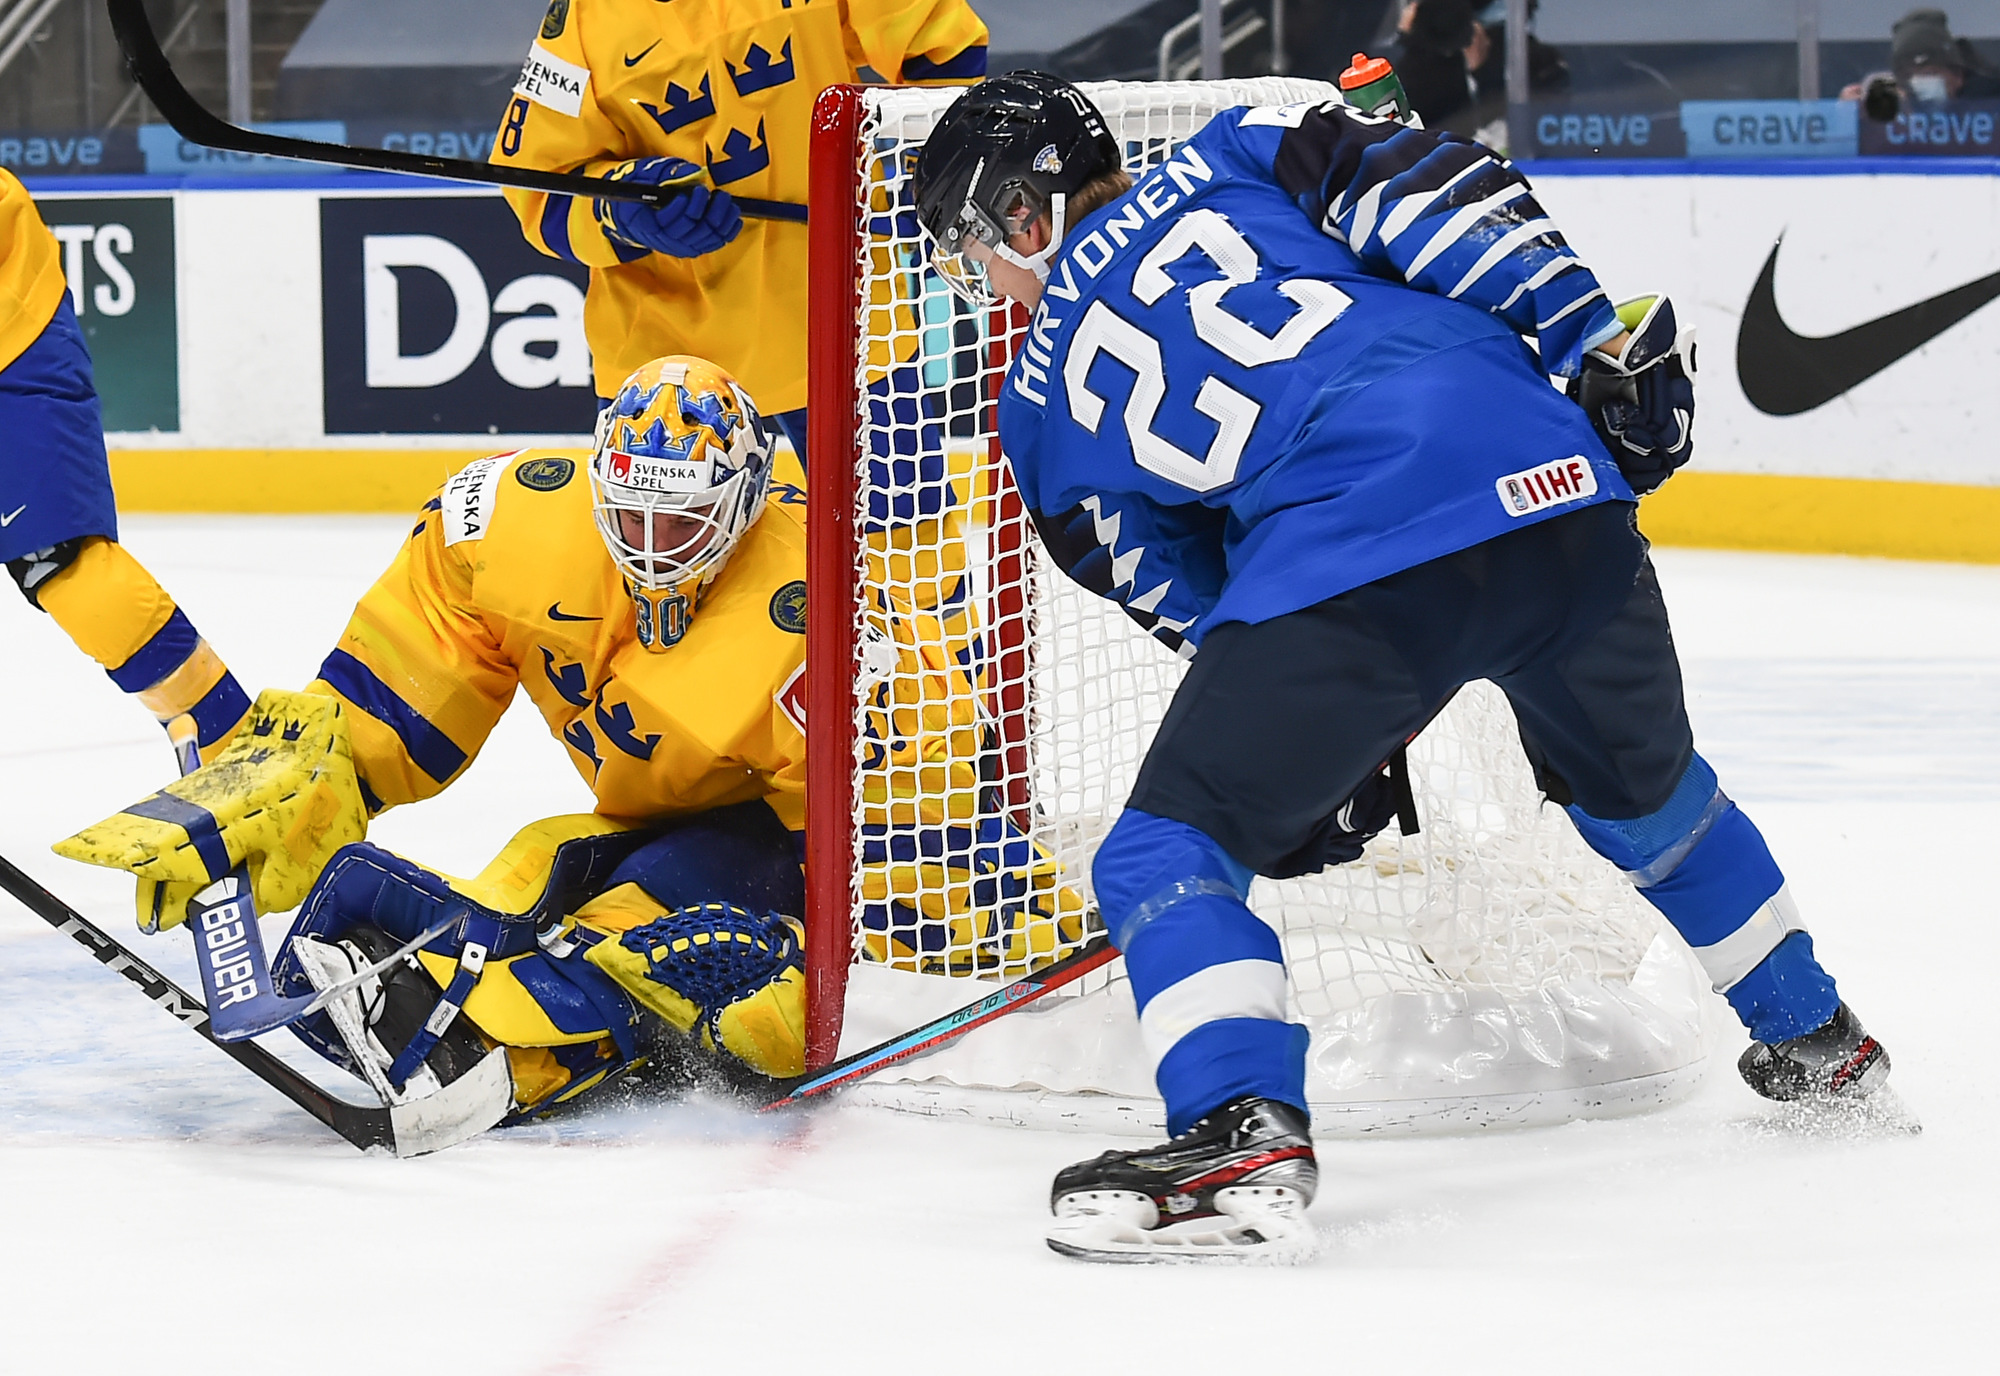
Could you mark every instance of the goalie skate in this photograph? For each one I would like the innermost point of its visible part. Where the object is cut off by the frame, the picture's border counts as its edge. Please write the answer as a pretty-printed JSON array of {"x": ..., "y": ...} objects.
[
  {"x": 1234, "y": 1187},
  {"x": 460, "y": 1090}
]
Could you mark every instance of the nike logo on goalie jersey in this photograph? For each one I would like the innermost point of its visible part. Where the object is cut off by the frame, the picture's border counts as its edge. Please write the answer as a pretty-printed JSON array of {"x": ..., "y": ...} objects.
[
  {"x": 556, "y": 613},
  {"x": 1784, "y": 373},
  {"x": 8, "y": 519}
]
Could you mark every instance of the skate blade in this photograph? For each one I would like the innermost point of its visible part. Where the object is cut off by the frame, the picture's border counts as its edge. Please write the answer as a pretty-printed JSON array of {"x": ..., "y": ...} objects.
[{"x": 1256, "y": 1225}]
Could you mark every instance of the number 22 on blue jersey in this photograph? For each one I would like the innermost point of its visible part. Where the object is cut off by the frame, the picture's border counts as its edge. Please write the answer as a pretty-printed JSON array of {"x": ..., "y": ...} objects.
[{"x": 1103, "y": 330}]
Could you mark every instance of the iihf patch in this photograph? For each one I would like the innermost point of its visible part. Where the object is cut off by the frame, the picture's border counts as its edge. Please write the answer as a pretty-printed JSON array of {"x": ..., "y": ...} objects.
[
  {"x": 788, "y": 607},
  {"x": 1048, "y": 160},
  {"x": 545, "y": 475},
  {"x": 1547, "y": 485}
]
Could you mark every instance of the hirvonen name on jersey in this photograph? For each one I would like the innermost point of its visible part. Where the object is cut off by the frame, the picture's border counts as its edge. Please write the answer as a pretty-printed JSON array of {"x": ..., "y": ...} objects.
[
  {"x": 1546, "y": 485},
  {"x": 549, "y": 81}
]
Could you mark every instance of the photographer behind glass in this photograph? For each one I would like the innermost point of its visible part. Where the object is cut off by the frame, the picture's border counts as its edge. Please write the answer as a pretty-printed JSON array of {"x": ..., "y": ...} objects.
[{"x": 1928, "y": 66}]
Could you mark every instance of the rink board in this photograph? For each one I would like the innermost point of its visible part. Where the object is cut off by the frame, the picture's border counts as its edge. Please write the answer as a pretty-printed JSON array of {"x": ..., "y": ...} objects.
[{"x": 305, "y": 383}]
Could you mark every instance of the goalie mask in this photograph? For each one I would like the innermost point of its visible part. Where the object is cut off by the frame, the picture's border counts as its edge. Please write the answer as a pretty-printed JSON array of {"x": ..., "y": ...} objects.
[
  {"x": 1006, "y": 151},
  {"x": 680, "y": 469}
]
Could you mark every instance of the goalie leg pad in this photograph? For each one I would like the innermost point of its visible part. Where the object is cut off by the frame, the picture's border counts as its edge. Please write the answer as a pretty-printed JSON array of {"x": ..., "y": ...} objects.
[
  {"x": 1207, "y": 974},
  {"x": 522, "y": 997},
  {"x": 1706, "y": 867}
]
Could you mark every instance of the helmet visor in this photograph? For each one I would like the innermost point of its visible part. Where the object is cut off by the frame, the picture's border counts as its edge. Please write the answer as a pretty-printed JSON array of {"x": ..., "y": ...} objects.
[{"x": 972, "y": 239}]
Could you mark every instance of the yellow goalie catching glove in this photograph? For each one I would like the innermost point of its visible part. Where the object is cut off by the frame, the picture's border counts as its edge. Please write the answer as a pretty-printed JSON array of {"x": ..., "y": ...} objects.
[
  {"x": 730, "y": 979},
  {"x": 283, "y": 796}
]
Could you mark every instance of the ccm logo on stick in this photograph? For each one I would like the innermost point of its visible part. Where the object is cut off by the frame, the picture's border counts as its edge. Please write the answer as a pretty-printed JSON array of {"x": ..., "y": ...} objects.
[
  {"x": 1550, "y": 484},
  {"x": 225, "y": 945}
]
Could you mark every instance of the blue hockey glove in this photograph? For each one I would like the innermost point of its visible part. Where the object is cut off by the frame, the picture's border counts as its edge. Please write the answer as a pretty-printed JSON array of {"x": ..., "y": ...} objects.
[
  {"x": 1641, "y": 399},
  {"x": 699, "y": 220}
]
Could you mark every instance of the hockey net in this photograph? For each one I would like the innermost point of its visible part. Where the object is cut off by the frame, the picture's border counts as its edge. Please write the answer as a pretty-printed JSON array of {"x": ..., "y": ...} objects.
[{"x": 977, "y": 721}]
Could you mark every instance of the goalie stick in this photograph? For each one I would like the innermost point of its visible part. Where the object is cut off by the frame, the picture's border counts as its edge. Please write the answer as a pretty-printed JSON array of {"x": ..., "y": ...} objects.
[
  {"x": 149, "y": 67},
  {"x": 408, "y": 1130}
]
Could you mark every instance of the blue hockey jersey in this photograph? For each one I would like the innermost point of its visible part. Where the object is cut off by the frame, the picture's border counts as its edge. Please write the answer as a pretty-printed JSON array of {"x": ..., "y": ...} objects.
[{"x": 1290, "y": 361}]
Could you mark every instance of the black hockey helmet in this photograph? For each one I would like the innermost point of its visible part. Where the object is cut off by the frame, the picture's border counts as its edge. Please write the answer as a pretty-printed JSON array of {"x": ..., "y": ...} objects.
[{"x": 1007, "y": 150}]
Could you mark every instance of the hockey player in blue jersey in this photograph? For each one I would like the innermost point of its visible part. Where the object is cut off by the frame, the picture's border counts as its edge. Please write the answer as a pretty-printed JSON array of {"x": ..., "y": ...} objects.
[{"x": 1276, "y": 400}]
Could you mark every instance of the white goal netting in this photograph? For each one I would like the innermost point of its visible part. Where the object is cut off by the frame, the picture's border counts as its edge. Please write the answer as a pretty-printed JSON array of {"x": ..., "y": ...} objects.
[{"x": 1488, "y": 969}]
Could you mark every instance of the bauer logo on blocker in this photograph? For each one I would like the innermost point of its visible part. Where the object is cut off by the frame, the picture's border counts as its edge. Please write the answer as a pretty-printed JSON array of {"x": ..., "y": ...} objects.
[{"x": 1547, "y": 485}]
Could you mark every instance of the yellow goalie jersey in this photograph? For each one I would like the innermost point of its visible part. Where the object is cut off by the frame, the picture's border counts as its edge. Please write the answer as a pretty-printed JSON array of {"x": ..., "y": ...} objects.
[
  {"x": 505, "y": 581},
  {"x": 31, "y": 278},
  {"x": 728, "y": 85}
]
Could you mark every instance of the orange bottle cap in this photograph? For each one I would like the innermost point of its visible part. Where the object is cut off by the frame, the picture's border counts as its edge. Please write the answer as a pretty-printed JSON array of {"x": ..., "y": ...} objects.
[{"x": 1364, "y": 70}]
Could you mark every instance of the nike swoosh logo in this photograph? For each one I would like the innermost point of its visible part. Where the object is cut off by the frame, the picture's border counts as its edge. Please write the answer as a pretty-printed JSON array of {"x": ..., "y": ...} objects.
[
  {"x": 1785, "y": 373},
  {"x": 635, "y": 61},
  {"x": 8, "y": 519},
  {"x": 556, "y": 613}
]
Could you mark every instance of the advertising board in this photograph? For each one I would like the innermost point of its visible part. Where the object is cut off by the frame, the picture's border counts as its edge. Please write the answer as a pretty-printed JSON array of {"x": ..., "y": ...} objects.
[
  {"x": 438, "y": 318},
  {"x": 118, "y": 257}
]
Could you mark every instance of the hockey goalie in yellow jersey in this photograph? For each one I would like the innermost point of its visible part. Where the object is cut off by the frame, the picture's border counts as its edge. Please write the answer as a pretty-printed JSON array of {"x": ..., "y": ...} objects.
[{"x": 652, "y": 607}]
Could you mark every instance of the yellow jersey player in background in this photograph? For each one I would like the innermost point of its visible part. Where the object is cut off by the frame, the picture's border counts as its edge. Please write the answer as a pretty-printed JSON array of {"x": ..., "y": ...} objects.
[
  {"x": 652, "y": 608},
  {"x": 58, "y": 523},
  {"x": 717, "y": 96}
]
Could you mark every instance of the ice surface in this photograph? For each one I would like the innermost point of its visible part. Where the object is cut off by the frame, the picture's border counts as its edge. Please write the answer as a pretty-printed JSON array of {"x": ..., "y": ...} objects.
[{"x": 161, "y": 1211}]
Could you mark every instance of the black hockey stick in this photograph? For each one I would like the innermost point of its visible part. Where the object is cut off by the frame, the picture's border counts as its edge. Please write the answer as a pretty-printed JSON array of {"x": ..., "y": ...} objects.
[
  {"x": 148, "y": 64},
  {"x": 363, "y": 1126},
  {"x": 934, "y": 1034}
]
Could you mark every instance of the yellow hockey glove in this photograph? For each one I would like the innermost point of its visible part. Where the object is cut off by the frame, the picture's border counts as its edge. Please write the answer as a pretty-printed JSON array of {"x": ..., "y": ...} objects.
[
  {"x": 713, "y": 971},
  {"x": 283, "y": 797}
]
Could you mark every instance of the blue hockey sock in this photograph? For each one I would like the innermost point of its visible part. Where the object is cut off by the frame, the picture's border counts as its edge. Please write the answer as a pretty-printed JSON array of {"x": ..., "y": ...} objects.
[
  {"x": 1207, "y": 975},
  {"x": 1231, "y": 1059},
  {"x": 1787, "y": 995},
  {"x": 1705, "y": 866}
]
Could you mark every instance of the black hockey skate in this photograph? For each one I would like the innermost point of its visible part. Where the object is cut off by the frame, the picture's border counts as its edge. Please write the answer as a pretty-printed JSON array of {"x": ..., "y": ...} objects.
[
  {"x": 1839, "y": 1061},
  {"x": 1234, "y": 1187}
]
